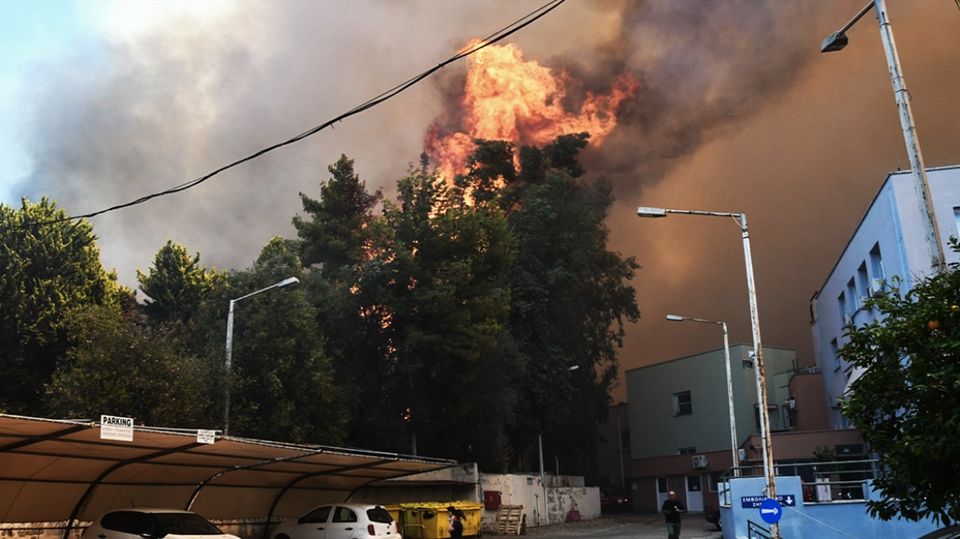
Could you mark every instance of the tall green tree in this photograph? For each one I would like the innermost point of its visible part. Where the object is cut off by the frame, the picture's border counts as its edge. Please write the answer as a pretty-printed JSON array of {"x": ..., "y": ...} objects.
[
  {"x": 335, "y": 233},
  {"x": 438, "y": 283},
  {"x": 176, "y": 285},
  {"x": 907, "y": 403},
  {"x": 118, "y": 364},
  {"x": 282, "y": 384},
  {"x": 47, "y": 266},
  {"x": 570, "y": 297}
]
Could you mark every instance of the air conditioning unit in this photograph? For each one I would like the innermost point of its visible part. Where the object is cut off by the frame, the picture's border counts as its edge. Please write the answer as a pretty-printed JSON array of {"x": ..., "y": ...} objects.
[
  {"x": 876, "y": 287},
  {"x": 700, "y": 462}
]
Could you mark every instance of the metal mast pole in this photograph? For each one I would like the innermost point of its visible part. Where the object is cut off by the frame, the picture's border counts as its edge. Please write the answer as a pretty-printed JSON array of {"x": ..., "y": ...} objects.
[
  {"x": 734, "y": 454},
  {"x": 922, "y": 186},
  {"x": 760, "y": 371},
  {"x": 227, "y": 364}
]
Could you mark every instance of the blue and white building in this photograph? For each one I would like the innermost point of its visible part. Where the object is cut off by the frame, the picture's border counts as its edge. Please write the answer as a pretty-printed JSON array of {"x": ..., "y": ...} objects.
[{"x": 888, "y": 244}]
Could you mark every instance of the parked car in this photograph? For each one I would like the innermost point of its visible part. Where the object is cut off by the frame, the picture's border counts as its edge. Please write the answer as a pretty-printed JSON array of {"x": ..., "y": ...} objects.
[
  {"x": 951, "y": 532},
  {"x": 340, "y": 521},
  {"x": 713, "y": 517},
  {"x": 611, "y": 502},
  {"x": 137, "y": 523}
]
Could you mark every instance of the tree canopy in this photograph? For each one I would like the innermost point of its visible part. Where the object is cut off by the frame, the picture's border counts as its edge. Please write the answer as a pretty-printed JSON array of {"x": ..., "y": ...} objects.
[
  {"x": 282, "y": 382},
  {"x": 175, "y": 285},
  {"x": 47, "y": 266},
  {"x": 449, "y": 319},
  {"x": 907, "y": 403},
  {"x": 120, "y": 365},
  {"x": 570, "y": 300}
]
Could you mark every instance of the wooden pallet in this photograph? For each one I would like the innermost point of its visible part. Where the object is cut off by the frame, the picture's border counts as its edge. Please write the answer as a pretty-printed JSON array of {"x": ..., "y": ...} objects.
[{"x": 509, "y": 520}]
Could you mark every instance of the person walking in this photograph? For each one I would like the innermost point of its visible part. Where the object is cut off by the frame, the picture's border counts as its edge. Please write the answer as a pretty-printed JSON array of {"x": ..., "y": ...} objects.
[
  {"x": 671, "y": 509},
  {"x": 456, "y": 522}
]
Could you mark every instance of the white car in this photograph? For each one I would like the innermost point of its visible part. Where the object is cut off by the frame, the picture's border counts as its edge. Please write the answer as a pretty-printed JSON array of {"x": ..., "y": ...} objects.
[
  {"x": 340, "y": 521},
  {"x": 137, "y": 523}
]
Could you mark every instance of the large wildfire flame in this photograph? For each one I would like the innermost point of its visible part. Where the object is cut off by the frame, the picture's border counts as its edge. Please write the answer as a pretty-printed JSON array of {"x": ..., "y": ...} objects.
[{"x": 508, "y": 98}]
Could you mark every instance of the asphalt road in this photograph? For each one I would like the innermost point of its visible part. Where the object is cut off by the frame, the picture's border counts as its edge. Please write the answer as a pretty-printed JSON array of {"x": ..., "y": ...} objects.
[{"x": 627, "y": 527}]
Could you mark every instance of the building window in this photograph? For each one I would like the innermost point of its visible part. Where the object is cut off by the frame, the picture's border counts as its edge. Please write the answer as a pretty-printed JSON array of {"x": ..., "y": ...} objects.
[
  {"x": 686, "y": 450},
  {"x": 714, "y": 479},
  {"x": 863, "y": 281},
  {"x": 853, "y": 298},
  {"x": 835, "y": 350},
  {"x": 956, "y": 216},
  {"x": 682, "y": 404},
  {"x": 662, "y": 485},
  {"x": 842, "y": 305},
  {"x": 876, "y": 262}
]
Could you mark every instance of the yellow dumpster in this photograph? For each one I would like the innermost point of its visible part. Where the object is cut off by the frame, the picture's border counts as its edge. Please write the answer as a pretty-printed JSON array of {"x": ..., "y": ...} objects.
[
  {"x": 431, "y": 520},
  {"x": 396, "y": 512},
  {"x": 472, "y": 511}
]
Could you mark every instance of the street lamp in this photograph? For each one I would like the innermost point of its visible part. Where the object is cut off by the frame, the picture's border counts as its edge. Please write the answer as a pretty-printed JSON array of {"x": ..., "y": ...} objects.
[
  {"x": 734, "y": 454},
  {"x": 837, "y": 41},
  {"x": 767, "y": 445},
  {"x": 229, "y": 348}
]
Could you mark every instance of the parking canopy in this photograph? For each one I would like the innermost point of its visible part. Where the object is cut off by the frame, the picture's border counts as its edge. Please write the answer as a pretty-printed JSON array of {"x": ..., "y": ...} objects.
[{"x": 55, "y": 470}]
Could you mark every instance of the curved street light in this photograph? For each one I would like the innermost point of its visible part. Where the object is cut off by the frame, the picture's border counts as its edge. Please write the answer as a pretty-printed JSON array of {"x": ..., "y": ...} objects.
[
  {"x": 229, "y": 347},
  {"x": 734, "y": 455},
  {"x": 836, "y": 42},
  {"x": 760, "y": 373}
]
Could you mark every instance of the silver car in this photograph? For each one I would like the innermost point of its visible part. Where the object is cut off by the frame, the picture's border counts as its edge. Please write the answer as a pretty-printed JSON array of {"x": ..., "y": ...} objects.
[{"x": 340, "y": 521}]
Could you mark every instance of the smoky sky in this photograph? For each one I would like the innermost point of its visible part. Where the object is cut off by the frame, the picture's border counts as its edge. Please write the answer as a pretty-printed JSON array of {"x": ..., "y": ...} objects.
[{"x": 737, "y": 110}]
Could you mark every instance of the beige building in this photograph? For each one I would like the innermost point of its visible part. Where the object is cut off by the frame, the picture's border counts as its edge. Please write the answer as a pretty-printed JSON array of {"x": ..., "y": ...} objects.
[{"x": 678, "y": 422}]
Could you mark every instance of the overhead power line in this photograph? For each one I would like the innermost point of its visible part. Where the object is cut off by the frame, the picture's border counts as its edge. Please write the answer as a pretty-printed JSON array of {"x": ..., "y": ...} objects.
[{"x": 499, "y": 35}]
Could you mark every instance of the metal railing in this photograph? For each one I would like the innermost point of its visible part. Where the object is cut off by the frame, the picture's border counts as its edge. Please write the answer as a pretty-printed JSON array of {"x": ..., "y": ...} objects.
[
  {"x": 822, "y": 482},
  {"x": 756, "y": 531}
]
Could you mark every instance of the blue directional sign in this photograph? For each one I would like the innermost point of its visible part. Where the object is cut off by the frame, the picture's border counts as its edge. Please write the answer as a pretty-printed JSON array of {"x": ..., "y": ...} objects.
[
  {"x": 770, "y": 511},
  {"x": 753, "y": 502}
]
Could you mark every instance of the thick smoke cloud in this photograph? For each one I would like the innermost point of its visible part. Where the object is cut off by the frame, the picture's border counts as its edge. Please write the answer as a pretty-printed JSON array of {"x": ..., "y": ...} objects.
[{"x": 737, "y": 111}]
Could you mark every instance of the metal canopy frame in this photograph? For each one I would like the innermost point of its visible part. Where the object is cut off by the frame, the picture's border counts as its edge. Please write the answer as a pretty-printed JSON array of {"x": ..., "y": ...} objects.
[{"x": 44, "y": 460}]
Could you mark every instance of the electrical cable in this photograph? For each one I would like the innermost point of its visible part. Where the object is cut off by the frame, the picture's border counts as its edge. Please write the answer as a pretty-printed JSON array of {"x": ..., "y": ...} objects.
[{"x": 495, "y": 37}]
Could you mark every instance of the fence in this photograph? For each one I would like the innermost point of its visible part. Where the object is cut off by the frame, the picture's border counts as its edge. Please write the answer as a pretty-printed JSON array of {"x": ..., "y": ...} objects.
[{"x": 822, "y": 482}]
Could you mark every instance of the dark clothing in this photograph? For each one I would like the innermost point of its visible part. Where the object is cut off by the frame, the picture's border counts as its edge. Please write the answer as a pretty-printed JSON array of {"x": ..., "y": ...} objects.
[
  {"x": 456, "y": 529},
  {"x": 671, "y": 510}
]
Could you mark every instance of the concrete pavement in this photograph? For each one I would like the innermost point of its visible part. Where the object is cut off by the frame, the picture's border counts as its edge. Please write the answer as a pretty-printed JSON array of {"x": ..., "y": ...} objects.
[{"x": 627, "y": 526}]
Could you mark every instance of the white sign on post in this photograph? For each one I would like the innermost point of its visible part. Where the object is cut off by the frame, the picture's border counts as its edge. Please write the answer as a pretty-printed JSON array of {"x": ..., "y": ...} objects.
[
  {"x": 116, "y": 428},
  {"x": 206, "y": 436}
]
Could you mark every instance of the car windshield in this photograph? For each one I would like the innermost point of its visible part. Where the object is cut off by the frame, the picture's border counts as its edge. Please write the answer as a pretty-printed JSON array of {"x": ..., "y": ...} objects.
[
  {"x": 379, "y": 514},
  {"x": 182, "y": 524}
]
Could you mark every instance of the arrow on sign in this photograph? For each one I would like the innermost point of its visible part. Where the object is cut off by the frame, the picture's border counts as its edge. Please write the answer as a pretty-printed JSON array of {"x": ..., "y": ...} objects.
[{"x": 770, "y": 511}]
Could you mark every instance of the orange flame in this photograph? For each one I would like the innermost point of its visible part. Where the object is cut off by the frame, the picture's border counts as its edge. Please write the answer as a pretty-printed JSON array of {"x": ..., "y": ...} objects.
[{"x": 508, "y": 98}]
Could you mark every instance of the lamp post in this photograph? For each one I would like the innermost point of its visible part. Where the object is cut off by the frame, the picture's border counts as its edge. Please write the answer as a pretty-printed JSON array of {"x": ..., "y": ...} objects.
[
  {"x": 229, "y": 347},
  {"x": 734, "y": 455},
  {"x": 837, "y": 41},
  {"x": 767, "y": 445}
]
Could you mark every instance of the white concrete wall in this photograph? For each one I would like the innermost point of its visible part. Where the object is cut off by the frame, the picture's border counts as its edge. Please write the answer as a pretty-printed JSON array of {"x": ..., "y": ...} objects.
[{"x": 528, "y": 491}]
